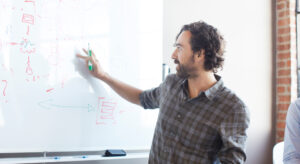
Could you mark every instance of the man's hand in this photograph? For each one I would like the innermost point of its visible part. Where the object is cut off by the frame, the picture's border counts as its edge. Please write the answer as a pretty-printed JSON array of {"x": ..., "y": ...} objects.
[{"x": 97, "y": 70}]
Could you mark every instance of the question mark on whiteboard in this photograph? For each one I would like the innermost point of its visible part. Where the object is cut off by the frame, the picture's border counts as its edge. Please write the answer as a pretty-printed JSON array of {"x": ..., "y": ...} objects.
[{"x": 4, "y": 81}]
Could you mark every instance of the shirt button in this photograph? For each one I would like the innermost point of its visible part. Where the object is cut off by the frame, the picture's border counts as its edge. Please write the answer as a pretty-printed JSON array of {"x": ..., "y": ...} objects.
[{"x": 179, "y": 116}]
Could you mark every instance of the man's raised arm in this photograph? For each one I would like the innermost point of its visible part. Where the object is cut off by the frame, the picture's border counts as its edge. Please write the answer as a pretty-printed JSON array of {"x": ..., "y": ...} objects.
[{"x": 126, "y": 91}]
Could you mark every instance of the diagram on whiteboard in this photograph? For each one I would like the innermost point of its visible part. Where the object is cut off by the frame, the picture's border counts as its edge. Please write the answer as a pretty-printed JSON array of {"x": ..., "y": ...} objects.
[{"x": 45, "y": 90}]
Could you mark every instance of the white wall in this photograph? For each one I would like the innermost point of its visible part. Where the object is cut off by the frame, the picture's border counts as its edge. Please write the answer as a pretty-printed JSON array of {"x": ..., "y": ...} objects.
[{"x": 247, "y": 28}]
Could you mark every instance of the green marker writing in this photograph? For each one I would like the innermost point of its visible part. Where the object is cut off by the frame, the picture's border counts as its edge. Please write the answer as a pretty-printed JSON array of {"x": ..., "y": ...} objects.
[{"x": 90, "y": 54}]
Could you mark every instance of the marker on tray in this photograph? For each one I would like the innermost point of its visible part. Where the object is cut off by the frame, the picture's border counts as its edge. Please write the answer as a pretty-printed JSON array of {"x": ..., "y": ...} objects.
[
  {"x": 56, "y": 158},
  {"x": 90, "y": 54},
  {"x": 83, "y": 157}
]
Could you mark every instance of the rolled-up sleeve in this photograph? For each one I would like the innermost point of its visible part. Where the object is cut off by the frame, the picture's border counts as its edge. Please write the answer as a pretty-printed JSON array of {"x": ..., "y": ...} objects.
[
  {"x": 233, "y": 133},
  {"x": 150, "y": 99}
]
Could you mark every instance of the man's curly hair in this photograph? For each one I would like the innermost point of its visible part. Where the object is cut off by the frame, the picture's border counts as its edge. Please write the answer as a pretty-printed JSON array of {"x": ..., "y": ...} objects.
[{"x": 205, "y": 36}]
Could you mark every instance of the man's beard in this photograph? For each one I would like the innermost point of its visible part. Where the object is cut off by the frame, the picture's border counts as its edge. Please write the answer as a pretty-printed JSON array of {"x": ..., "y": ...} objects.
[{"x": 181, "y": 70}]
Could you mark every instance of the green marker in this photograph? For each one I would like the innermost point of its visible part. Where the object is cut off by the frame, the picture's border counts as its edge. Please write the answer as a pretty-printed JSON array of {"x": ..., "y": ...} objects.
[{"x": 90, "y": 54}]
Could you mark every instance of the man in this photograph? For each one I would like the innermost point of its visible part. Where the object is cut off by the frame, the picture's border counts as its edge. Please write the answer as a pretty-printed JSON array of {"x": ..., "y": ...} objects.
[
  {"x": 291, "y": 153},
  {"x": 200, "y": 120}
]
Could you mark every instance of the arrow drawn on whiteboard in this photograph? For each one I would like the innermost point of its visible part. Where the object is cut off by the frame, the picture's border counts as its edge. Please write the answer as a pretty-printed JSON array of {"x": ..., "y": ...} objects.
[{"x": 48, "y": 104}]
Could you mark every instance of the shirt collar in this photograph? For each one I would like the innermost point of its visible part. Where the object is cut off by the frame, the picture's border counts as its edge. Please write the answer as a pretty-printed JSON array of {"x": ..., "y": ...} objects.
[{"x": 212, "y": 91}]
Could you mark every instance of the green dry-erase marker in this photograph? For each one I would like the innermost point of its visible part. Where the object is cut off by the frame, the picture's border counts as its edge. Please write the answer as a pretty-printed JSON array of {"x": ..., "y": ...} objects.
[{"x": 90, "y": 54}]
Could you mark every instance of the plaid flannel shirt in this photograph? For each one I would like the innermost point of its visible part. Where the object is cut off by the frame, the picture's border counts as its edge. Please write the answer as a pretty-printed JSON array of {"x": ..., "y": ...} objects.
[{"x": 210, "y": 128}]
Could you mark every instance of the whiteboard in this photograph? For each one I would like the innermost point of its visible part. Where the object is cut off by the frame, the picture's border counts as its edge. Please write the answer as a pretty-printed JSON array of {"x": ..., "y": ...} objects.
[{"x": 48, "y": 99}]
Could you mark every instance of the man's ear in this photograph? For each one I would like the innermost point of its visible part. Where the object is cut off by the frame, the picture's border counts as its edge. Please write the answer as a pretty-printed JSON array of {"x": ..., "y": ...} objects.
[{"x": 201, "y": 53}]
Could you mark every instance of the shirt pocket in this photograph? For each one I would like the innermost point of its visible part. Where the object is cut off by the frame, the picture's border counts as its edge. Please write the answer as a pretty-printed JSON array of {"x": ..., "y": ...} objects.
[{"x": 200, "y": 137}]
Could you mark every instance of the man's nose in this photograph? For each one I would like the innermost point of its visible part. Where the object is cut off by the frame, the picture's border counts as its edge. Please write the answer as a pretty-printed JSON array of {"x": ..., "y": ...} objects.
[{"x": 174, "y": 54}]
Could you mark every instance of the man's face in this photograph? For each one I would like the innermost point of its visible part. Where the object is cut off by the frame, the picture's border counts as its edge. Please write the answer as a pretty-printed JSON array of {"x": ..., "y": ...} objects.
[{"x": 183, "y": 56}]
